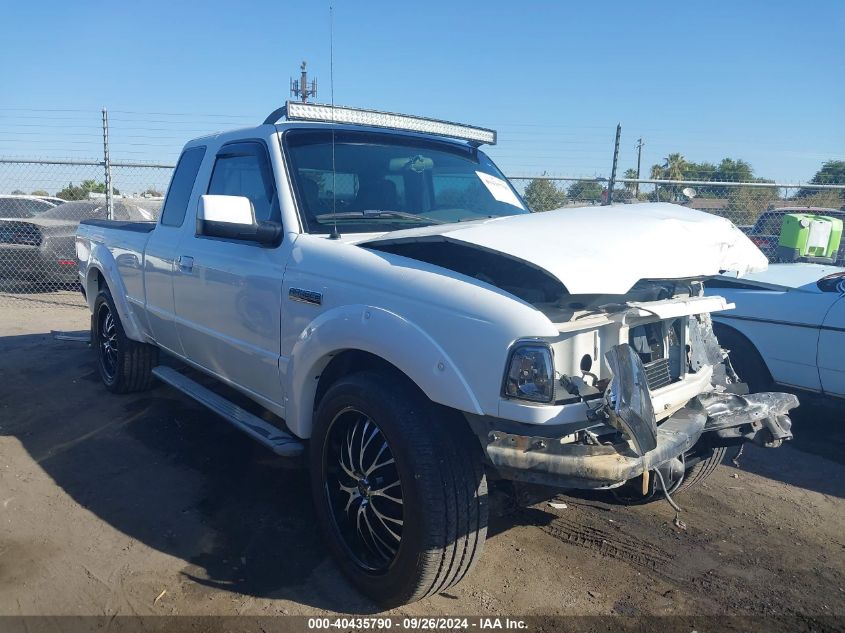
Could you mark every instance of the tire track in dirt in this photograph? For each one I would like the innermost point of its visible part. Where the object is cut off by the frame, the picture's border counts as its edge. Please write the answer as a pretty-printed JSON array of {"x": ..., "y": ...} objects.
[
  {"x": 617, "y": 539},
  {"x": 612, "y": 543}
]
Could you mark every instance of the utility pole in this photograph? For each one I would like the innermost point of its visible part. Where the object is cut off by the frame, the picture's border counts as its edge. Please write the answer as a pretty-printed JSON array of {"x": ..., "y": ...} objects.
[
  {"x": 612, "y": 182},
  {"x": 639, "y": 157},
  {"x": 300, "y": 88},
  {"x": 107, "y": 165}
]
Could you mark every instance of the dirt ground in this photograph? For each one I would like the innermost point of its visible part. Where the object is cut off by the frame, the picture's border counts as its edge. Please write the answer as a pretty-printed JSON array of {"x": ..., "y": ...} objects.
[{"x": 147, "y": 504}]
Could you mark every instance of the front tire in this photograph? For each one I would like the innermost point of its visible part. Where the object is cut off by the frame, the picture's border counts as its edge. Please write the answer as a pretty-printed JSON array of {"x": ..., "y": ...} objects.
[
  {"x": 125, "y": 365},
  {"x": 399, "y": 488},
  {"x": 703, "y": 468},
  {"x": 630, "y": 493}
]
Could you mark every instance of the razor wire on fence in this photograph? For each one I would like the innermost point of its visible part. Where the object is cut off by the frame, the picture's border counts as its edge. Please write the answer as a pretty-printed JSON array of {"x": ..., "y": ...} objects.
[{"x": 42, "y": 202}]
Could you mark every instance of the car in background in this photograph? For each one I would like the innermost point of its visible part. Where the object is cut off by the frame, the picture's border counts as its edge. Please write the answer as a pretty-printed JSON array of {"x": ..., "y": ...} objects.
[
  {"x": 52, "y": 199},
  {"x": 788, "y": 327},
  {"x": 17, "y": 206},
  {"x": 41, "y": 250},
  {"x": 765, "y": 232}
]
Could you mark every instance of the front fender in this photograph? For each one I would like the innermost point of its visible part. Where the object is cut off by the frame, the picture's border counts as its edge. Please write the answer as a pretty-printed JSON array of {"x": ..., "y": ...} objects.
[
  {"x": 384, "y": 334},
  {"x": 101, "y": 260}
]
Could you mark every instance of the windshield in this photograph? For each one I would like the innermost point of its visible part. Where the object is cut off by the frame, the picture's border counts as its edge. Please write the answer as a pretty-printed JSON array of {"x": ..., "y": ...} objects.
[{"x": 385, "y": 182}]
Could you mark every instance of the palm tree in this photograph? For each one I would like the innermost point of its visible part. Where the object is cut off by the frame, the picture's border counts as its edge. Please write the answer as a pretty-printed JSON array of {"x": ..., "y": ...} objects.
[
  {"x": 657, "y": 174},
  {"x": 675, "y": 165},
  {"x": 630, "y": 174}
]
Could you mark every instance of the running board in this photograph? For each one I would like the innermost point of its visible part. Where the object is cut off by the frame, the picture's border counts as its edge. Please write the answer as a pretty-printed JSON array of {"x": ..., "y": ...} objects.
[{"x": 272, "y": 437}]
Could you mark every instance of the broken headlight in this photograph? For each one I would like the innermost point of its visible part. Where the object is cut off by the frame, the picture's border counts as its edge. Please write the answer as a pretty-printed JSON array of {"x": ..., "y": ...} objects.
[
  {"x": 531, "y": 373},
  {"x": 633, "y": 411}
]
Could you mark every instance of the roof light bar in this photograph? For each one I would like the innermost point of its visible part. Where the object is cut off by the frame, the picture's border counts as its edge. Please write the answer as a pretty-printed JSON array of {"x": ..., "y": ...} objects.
[{"x": 298, "y": 111}]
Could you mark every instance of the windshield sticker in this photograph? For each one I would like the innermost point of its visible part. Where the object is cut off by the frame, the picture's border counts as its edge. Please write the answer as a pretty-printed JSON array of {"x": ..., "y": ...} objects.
[{"x": 499, "y": 189}]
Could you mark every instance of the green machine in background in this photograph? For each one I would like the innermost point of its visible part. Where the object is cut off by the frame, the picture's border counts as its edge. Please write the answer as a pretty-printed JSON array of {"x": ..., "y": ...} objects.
[{"x": 809, "y": 238}]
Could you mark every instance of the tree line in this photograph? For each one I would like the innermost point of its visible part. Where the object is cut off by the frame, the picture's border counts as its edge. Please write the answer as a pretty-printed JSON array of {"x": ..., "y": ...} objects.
[
  {"x": 544, "y": 195},
  {"x": 81, "y": 191}
]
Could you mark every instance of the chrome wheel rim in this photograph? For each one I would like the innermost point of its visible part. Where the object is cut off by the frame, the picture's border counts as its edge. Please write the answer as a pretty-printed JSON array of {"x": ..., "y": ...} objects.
[
  {"x": 363, "y": 490},
  {"x": 107, "y": 335}
]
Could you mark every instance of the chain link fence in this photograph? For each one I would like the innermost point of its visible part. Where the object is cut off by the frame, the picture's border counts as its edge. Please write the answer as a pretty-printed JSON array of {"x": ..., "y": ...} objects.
[
  {"x": 740, "y": 202},
  {"x": 42, "y": 202},
  {"x": 758, "y": 208},
  {"x": 41, "y": 205}
]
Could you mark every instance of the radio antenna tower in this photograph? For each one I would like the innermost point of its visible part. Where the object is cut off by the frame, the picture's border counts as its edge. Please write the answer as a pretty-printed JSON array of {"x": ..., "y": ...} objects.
[{"x": 300, "y": 88}]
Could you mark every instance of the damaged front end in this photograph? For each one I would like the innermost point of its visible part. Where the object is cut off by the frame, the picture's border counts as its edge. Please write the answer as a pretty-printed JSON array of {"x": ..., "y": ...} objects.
[{"x": 662, "y": 399}]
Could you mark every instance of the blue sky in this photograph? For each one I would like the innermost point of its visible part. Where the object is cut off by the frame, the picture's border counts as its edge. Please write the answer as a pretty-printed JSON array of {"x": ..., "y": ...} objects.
[{"x": 763, "y": 81}]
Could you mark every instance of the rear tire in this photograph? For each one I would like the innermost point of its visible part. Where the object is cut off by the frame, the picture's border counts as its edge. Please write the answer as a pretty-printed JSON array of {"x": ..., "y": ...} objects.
[
  {"x": 428, "y": 540},
  {"x": 125, "y": 365}
]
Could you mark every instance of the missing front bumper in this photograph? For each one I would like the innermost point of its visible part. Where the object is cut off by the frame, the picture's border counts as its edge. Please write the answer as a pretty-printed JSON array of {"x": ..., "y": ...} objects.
[
  {"x": 762, "y": 418},
  {"x": 715, "y": 419},
  {"x": 547, "y": 461}
]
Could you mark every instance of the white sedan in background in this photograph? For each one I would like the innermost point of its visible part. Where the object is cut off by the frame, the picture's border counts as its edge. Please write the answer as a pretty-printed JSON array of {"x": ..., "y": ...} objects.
[{"x": 788, "y": 326}]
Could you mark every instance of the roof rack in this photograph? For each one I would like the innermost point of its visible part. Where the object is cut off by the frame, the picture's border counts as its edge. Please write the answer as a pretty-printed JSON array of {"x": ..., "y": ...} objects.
[{"x": 298, "y": 111}]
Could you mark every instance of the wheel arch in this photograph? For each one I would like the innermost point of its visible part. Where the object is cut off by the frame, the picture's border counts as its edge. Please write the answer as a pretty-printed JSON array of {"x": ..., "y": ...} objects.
[
  {"x": 351, "y": 361},
  {"x": 723, "y": 330},
  {"x": 94, "y": 281},
  {"x": 100, "y": 276},
  {"x": 353, "y": 338}
]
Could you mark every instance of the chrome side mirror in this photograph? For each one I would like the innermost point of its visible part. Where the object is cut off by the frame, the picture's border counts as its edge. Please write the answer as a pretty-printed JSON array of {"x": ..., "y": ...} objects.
[{"x": 233, "y": 217}]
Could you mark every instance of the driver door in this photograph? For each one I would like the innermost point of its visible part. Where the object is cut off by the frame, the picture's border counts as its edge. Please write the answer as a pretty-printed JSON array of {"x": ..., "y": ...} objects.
[{"x": 228, "y": 292}]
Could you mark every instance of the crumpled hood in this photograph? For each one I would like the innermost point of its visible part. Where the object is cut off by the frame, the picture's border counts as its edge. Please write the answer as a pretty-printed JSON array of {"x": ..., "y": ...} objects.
[{"x": 606, "y": 250}]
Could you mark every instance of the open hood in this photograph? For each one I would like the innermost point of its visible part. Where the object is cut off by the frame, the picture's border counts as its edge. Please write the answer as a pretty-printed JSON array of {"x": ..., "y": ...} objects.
[{"x": 603, "y": 250}]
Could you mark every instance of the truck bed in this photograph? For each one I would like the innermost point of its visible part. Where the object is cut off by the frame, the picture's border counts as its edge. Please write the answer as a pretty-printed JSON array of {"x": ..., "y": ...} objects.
[
  {"x": 118, "y": 248},
  {"x": 122, "y": 225}
]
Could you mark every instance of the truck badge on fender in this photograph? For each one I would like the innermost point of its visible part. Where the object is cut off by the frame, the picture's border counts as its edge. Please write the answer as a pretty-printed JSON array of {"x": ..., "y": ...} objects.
[{"x": 306, "y": 296}]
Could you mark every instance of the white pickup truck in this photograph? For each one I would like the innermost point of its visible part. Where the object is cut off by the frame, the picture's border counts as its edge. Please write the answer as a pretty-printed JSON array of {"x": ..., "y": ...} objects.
[{"x": 376, "y": 286}]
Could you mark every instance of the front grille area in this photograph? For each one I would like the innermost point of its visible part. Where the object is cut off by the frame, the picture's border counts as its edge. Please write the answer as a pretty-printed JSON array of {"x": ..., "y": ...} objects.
[{"x": 657, "y": 373}]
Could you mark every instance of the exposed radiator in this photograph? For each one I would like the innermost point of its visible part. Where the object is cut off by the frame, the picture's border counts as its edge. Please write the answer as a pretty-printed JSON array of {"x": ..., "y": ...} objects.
[{"x": 657, "y": 373}]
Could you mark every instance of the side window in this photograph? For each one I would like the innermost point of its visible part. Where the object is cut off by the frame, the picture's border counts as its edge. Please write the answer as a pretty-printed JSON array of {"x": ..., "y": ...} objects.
[
  {"x": 243, "y": 169},
  {"x": 181, "y": 185}
]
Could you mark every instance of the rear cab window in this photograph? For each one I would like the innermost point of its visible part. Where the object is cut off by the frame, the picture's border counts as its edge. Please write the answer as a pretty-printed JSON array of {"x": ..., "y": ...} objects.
[{"x": 181, "y": 186}]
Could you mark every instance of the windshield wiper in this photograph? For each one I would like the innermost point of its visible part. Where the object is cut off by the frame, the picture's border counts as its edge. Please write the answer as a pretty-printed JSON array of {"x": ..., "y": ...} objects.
[{"x": 377, "y": 213}]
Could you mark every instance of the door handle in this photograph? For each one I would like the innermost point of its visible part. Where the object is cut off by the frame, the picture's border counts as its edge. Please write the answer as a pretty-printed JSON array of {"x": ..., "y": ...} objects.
[{"x": 185, "y": 263}]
